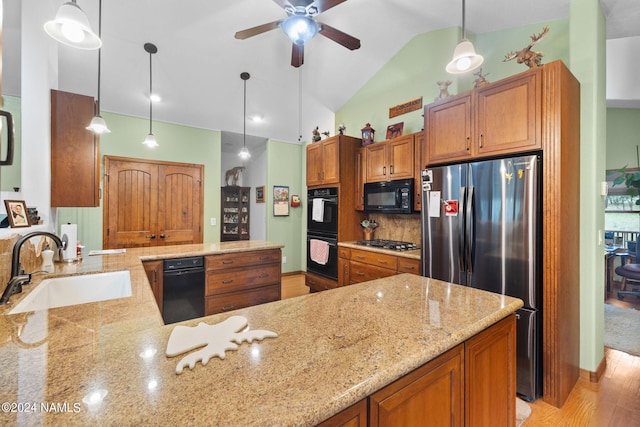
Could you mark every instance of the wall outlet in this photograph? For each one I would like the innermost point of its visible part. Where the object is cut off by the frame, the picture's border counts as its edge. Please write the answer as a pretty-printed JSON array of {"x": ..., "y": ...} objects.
[
  {"x": 212, "y": 221},
  {"x": 284, "y": 259}
]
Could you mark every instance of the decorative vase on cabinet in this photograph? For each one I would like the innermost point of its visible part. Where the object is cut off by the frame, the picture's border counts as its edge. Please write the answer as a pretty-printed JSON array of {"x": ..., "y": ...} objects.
[{"x": 235, "y": 213}]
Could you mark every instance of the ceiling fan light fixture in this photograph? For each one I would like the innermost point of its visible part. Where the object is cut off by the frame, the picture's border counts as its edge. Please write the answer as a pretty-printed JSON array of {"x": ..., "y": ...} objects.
[
  {"x": 300, "y": 28},
  {"x": 71, "y": 27},
  {"x": 98, "y": 125},
  {"x": 464, "y": 59}
]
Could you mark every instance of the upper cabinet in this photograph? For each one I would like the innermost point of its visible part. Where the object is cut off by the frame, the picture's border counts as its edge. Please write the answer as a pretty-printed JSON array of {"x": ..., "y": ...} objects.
[
  {"x": 326, "y": 159},
  {"x": 75, "y": 152},
  {"x": 499, "y": 118},
  {"x": 390, "y": 160}
]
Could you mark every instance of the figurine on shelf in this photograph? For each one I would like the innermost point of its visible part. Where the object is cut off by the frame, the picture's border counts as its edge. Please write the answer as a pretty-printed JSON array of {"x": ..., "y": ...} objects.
[
  {"x": 316, "y": 135},
  {"x": 341, "y": 128},
  {"x": 326, "y": 133},
  {"x": 367, "y": 134},
  {"x": 480, "y": 80},
  {"x": 526, "y": 56},
  {"x": 444, "y": 89},
  {"x": 233, "y": 174}
]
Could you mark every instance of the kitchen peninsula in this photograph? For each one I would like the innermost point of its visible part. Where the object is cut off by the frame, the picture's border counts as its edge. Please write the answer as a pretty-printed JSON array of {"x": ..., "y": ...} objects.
[{"x": 334, "y": 350}]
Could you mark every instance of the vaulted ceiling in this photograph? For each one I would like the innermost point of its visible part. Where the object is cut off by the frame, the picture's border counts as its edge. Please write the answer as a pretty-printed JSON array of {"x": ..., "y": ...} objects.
[{"x": 198, "y": 64}]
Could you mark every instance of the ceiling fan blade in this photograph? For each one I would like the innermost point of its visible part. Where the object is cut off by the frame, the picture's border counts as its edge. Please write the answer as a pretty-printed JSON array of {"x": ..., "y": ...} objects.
[
  {"x": 297, "y": 55},
  {"x": 324, "y": 5},
  {"x": 254, "y": 31},
  {"x": 339, "y": 37}
]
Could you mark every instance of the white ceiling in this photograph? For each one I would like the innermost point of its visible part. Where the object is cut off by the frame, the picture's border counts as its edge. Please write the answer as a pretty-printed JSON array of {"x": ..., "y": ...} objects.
[{"x": 198, "y": 64}]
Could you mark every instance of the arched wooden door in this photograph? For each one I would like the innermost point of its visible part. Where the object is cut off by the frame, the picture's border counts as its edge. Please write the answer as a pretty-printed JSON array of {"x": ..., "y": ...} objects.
[{"x": 151, "y": 203}]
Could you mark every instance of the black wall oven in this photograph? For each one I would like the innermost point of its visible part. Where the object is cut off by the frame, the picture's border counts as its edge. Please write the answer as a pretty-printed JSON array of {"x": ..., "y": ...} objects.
[
  {"x": 322, "y": 211},
  {"x": 324, "y": 266}
]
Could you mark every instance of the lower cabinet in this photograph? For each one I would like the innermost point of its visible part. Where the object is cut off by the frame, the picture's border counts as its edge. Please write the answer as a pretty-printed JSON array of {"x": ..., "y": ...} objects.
[
  {"x": 243, "y": 279},
  {"x": 319, "y": 283},
  {"x": 154, "y": 272},
  {"x": 473, "y": 384},
  {"x": 356, "y": 265}
]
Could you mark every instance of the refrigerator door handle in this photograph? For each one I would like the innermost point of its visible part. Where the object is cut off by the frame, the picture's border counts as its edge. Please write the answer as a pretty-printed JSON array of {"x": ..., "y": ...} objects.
[
  {"x": 469, "y": 235},
  {"x": 462, "y": 233}
]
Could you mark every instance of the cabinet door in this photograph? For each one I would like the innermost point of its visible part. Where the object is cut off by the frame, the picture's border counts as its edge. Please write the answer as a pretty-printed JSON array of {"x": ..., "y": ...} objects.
[
  {"x": 419, "y": 150},
  {"x": 314, "y": 164},
  {"x": 430, "y": 395},
  {"x": 449, "y": 130},
  {"x": 359, "y": 272},
  {"x": 353, "y": 416},
  {"x": 154, "y": 274},
  {"x": 361, "y": 177},
  {"x": 331, "y": 161},
  {"x": 377, "y": 167},
  {"x": 401, "y": 157},
  {"x": 508, "y": 115},
  {"x": 344, "y": 278},
  {"x": 490, "y": 376},
  {"x": 179, "y": 210}
]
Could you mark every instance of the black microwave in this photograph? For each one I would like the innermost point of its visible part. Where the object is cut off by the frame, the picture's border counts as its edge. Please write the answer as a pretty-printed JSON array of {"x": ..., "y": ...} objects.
[{"x": 394, "y": 197}]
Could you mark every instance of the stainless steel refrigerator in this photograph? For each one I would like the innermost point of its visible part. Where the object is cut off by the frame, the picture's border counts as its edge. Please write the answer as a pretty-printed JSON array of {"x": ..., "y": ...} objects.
[{"x": 481, "y": 227}]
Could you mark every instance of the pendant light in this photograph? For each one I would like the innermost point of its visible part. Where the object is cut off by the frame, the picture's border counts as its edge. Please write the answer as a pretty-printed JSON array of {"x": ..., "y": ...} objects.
[
  {"x": 244, "y": 151},
  {"x": 465, "y": 57},
  {"x": 98, "y": 125},
  {"x": 71, "y": 27},
  {"x": 150, "y": 140}
]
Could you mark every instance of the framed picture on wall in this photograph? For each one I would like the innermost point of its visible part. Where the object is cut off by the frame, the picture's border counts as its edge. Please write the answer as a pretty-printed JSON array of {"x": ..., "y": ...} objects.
[
  {"x": 394, "y": 131},
  {"x": 280, "y": 200},
  {"x": 17, "y": 213},
  {"x": 260, "y": 194}
]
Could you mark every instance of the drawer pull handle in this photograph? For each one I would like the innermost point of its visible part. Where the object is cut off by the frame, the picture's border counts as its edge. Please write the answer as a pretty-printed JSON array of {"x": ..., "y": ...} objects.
[
  {"x": 226, "y": 282},
  {"x": 359, "y": 273},
  {"x": 227, "y": 261},
  {"x": 359, "y": 257},
  {"x": 381, "y": 261},
  {"x": 262, "y": 276},
  {"x": 227, "y": 308},
  {"x": 265, "y": 258}
]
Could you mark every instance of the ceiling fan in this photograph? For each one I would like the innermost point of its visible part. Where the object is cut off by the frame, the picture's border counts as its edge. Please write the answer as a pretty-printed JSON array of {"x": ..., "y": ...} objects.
[{"x": 301, "y": 26}]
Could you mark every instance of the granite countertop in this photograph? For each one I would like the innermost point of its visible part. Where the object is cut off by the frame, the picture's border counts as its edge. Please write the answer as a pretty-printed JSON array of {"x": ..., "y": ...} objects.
[
  {"x": 414, "y": 254},
  {"x": 333, "y": 349}
]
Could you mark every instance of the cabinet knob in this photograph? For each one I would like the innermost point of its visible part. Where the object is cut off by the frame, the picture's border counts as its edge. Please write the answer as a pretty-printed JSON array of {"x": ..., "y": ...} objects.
[
  {"x": 151, "y": 236},
  {"x": 163, "y": 236},
  {"x": 481, "y": 140},
  {"x": 468, "y": 143}
]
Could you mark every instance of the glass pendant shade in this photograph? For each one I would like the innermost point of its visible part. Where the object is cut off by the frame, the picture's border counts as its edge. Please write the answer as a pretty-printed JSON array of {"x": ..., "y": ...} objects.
[
  {"x": 98, "y": 125},
  {"x": 244, "y": 153},
  {"x": 71, "y": 27},
  {"x": 150, "y": 141},
  {"x": 464, "y": 59},
  {"x": 300, "y": 29}
]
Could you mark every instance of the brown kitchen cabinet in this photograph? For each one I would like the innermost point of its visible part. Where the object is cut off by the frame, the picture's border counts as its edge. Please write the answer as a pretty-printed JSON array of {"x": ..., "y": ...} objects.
[
  {"x": 235, "y": 207},
  {"x": 360, "y": 177},
  {"x": 354, "y": 416},
  {"x": 499, "y": 118},
  {"x": 317, "y": 283},
  {"x": 75, "y": 152},
  {"x": 242, "y": 279},
  {"x": 327, "y": 158},
  {"x": 390, "y": 160},
  {"x": 359, "y": 265},
  {"x": 154, "y": 270},
  {"x": 419, "y": 141}
]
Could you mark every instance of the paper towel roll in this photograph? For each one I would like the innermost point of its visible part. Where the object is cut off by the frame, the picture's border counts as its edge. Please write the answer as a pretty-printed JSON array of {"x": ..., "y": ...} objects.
[{"x": 69, "y": 234}]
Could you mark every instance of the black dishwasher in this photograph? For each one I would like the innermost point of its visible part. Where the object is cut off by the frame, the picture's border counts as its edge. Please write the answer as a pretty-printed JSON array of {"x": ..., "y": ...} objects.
[{"x": 183, "y": 289}]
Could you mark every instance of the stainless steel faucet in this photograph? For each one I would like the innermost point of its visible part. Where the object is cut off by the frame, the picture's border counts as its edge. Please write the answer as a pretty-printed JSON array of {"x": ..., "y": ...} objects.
[{"x": 18, "y": 277}]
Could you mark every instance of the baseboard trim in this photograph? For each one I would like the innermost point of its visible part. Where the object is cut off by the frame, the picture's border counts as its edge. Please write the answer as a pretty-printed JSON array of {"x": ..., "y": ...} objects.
[
  {"x": 594, "y": 377},
  {"x": 292, "y": 273}
]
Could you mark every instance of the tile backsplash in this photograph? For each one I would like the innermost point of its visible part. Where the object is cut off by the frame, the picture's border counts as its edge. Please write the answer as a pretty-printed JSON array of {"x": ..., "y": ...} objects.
[{"x": 404, "y": 227}]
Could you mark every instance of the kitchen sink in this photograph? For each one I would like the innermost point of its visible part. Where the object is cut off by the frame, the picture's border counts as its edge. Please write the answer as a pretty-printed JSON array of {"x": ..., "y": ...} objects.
[{"x": 73, "y": 290}]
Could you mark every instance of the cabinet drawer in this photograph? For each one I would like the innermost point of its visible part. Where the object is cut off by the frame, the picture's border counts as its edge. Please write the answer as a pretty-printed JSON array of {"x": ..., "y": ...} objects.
[
  {"x": 344, "y": 252},
  {"x": 374, "y": 258},
  {"x": 319, "y": 283},
  {"x": 219, "y": 262},
  {"x": 235, "y": 300},
  {"x": 237, "y": 279},
  {"x": 364, "y": 272},
  {"x": 408, "y": 265}
]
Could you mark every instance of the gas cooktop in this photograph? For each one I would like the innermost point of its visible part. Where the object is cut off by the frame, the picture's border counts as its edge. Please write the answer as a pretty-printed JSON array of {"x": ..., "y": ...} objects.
[{"x": 393, "y": 245}]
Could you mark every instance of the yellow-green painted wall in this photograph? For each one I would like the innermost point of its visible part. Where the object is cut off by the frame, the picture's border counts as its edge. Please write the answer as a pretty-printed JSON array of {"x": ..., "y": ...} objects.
[{"x": 623, "y": 137}]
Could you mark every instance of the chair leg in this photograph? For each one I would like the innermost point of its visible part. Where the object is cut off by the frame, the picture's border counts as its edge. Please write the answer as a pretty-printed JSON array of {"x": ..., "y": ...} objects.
[{"x": 623, "y": 285}]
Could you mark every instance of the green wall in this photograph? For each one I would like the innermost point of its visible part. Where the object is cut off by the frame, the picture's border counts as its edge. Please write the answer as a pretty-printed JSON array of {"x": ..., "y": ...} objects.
[
  {"x": 176, "y": 144},
  {"x": 623, "y": 137},
  {"x": 284, "y": 168},
  {"x": 415, "y": 70}
]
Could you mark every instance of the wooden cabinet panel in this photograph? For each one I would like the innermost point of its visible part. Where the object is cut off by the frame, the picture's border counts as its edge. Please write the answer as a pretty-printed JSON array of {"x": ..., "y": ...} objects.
[
  {"x": 344, "y": 271},
  {"x": 314, "y": 164},
  {"x": 359, "y": 272},
  {"x": 360, "y": 177},
  {"x": 431, "y": 395},
  {"x": 490, "y": 376},
  {"x": 419, "y": 148},
  {"x": 449, "y": 127},
  {"x": 407, "y": 265},
  {"x": 241, "y": 259},
  {"x": 75, "y": 152},
  {"x": 375, "y": 258},
  {"x": 219, "y": 282},
  {"x": 389, "y": 160},
  {"x": 318, "y": 283},
  {"x": 323, "y": 162},
  {"x": 508, "y": 115},
  {"x": 353, "y": 416},
  {"x": 154, "y": 270},
  {"x": 240, "y": 299}
]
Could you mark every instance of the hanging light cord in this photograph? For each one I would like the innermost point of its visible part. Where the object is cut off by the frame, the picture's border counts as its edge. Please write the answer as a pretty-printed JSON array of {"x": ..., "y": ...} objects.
[
  {"x": 464, "y": 32},
  {"x": 300, "y": 104},
  {"x": 244, "y": 117},
  {"x": 150, "y": 92},
  {"x": 99, "y": 50}
]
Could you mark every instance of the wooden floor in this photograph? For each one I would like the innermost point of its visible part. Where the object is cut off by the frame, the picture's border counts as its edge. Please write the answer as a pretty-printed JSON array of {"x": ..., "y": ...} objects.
[
  {"x": 614, "y": 401},
  {"x": 629, "y": 301}
]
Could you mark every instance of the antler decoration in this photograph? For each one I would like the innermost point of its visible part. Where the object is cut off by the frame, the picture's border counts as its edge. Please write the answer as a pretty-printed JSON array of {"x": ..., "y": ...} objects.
[{"x": 526, "y": 56}]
